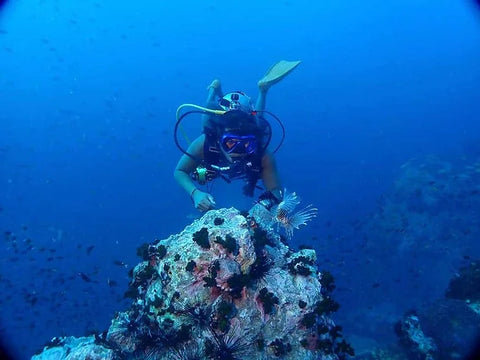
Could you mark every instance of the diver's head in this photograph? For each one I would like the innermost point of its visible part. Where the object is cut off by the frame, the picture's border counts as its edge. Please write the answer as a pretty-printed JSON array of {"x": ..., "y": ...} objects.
[
  {"x": 238, "y": 134},
  {"x": 236, "y": 121},
  {"x": 236, "y": 100}
]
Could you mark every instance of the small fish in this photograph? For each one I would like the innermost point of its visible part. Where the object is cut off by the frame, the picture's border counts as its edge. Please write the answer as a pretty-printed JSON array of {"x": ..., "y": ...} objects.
[
  {"x": 89, "y": 249},
  {"x": 111, "y": 283},
  {"x": 84, "y": 277},
  {"x": 120, "y": 263}
]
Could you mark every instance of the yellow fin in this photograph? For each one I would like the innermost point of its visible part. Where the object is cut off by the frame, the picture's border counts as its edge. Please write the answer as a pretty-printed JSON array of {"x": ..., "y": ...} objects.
[{"x": 277, "y": 72}]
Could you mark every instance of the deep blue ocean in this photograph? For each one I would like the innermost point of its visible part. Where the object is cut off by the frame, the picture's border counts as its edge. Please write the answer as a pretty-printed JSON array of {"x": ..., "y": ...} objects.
[{"x": 387, "y": 95}]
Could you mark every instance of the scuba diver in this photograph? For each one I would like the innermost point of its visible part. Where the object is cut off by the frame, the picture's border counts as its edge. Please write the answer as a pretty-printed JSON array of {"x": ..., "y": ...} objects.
[{"x": 234, "y": 142}]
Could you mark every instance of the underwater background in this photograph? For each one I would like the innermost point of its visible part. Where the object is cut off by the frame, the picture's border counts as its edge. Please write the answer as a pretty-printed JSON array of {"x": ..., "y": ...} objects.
[{"x": 382, "y": 136}]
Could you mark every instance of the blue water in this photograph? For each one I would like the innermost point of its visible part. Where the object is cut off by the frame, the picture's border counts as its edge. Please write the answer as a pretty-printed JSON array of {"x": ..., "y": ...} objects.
[{"x": 88, "y": 93}]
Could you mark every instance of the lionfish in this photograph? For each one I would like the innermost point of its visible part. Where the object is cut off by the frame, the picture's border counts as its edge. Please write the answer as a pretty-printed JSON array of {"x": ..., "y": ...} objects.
[{"x": 283, "y": 217}]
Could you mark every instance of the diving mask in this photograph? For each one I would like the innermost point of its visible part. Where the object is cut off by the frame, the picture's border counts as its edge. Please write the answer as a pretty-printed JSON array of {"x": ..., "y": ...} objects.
[{"x": 239, "y": 144}]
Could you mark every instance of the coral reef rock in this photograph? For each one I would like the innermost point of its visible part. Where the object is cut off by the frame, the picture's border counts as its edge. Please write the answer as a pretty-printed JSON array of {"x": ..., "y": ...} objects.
[
  {"x": 442, "y": 330},
  {"x": 413, "y": 338},
  {"x": 226, "y": 287}
]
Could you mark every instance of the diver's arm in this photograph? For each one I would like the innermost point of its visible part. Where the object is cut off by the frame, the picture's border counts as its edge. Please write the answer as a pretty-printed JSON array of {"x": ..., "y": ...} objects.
[
  {"x": 186, "y": 165},
  {"x": 270, "y": 176}
]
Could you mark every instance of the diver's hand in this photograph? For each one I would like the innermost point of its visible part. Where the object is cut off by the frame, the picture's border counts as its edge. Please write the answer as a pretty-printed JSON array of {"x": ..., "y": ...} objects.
[{"x": 203, "y": 201}]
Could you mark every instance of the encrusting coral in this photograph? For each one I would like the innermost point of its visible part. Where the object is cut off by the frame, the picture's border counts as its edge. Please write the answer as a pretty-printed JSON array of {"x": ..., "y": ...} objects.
[{"x": 226, "y": 287}]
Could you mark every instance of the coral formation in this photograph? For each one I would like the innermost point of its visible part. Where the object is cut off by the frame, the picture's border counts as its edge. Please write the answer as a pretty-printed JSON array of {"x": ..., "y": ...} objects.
[
  {"x": 446, "y": 328},
  {"x": 414, "y": 339},
  {"x": 226, "y": 287},
  {"x": 434, "y": 201},
  {"x": 466, "y": 285},
  {"x": 426, "y": 225}
]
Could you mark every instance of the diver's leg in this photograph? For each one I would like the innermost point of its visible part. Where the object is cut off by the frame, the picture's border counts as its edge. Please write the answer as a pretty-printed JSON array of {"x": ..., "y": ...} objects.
[
  {"x": 214, "y": 90},
  {"x": 276, "y": 73},
  {"x": 261, "y": 99}
]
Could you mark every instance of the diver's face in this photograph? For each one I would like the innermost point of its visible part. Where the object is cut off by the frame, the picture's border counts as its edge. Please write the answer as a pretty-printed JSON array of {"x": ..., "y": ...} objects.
[{"x": 238, "y": 145}]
